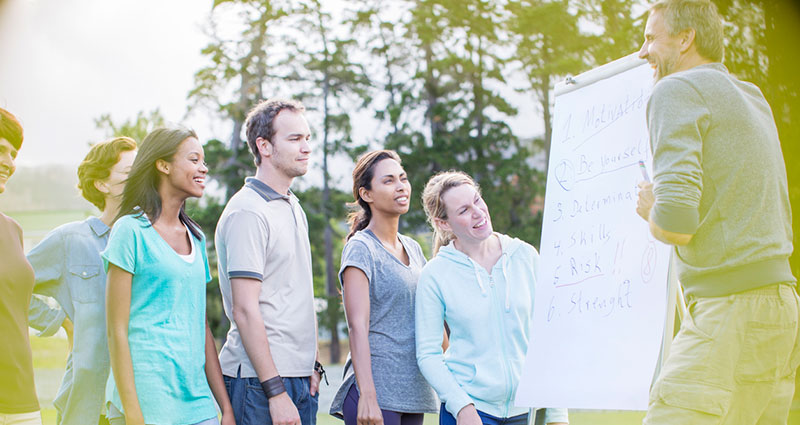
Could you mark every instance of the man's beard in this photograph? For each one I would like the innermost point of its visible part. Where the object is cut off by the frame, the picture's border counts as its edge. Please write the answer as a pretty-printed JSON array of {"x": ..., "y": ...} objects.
[{"x": 665, "y": 67}]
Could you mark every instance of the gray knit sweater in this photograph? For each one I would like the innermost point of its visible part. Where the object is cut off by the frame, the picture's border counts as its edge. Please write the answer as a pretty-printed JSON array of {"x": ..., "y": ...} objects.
[{"x": 719, "y": 175}]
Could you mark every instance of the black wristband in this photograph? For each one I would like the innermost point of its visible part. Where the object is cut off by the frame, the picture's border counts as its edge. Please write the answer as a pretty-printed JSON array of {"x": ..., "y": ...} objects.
[
  {"x": 319, "y": 369},
  {"x": 273, "y": 386}
]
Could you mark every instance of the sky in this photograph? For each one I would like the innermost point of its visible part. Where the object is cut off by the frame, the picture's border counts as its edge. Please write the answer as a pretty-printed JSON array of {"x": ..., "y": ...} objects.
[{"x": 64, "y": 63}]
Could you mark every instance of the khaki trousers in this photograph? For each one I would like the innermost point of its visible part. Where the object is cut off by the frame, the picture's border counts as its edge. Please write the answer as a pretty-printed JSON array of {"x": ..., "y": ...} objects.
[{"x": 732, "y": 362}]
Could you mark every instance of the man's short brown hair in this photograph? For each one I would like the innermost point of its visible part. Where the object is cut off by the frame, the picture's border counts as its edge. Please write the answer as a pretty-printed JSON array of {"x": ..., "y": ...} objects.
[{"x": 260, "y": 121}]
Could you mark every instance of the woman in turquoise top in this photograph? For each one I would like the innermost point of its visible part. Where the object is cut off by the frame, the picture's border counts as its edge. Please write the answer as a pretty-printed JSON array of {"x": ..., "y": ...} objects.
[{"x": 163, "y": 356}]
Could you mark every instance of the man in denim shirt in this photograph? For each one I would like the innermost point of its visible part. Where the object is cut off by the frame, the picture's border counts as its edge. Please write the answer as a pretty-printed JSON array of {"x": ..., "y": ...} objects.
[{"x": 69, "y": 269}]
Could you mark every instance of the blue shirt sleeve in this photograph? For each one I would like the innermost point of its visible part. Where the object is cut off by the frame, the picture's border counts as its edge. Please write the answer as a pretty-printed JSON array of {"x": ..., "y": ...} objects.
[
  {"x": 47, "y": 260},
  {"x": 44, "y": 318},
  {"x": 122, "y": 244}
]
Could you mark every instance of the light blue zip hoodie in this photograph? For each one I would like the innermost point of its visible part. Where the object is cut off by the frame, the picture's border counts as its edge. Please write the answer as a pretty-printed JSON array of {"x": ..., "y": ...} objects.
[{"x": 489, "y": 319}]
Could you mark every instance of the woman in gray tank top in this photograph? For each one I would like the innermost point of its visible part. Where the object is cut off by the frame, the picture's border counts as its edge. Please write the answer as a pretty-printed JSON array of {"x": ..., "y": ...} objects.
[{"x": 379, "y": 273}]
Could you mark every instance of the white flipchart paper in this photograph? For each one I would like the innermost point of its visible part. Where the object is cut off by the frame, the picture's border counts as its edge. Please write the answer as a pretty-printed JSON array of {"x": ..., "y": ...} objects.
[{"x": 601, "y": 292}]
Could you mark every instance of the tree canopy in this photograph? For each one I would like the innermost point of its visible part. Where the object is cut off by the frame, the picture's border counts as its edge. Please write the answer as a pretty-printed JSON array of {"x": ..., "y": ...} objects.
[{"x": 443, "y": 82}]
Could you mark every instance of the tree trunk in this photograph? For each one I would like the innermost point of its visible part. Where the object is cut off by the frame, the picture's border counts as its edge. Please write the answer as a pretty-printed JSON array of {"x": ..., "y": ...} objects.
[
  {"x": 548, "y": 120},
  {"x": 238, "y": 115},
  {"x": 478, "y": 93},
  {"x": 432, "y": 94},
  {"x": 544, "y": 92},
  {"x": 330, "y": 271}
]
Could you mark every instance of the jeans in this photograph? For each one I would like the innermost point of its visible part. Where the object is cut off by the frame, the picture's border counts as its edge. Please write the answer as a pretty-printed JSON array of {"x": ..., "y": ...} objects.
[
  {"x": 445, "y": 418},
  {"x": 251, "y": 406}
]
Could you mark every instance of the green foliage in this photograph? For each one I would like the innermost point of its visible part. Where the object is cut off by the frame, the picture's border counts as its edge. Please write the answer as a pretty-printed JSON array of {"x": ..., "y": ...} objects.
[
  {"x": 136, "y": 128},
  {"x": 311, "y": 200},
  {"x": 622, "y": 28},
  {"x": 229, "y": 167},
  {"x": 454, "y": 70},
  {"x": 334, "y": 85},
  {"x": 244, "y": 58},
  {"x": 548, "y": 47},
  {"x": 433, "y": 72},
  {"x": 239, "y": 71},
  {"x": 313, "y": 205},
  {"x": 207, "y": 217},
  {"x": 761, "y": 38}
]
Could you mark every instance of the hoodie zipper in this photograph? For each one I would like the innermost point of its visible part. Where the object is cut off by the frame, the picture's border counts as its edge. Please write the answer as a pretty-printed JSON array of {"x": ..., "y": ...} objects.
[
  {"x": 501, "y": 324},
  {"x": 500, "y": 307}
]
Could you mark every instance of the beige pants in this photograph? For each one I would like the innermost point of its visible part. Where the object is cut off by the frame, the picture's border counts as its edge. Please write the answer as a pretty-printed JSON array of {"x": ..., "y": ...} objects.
[
  {"x": 733, "y": 361},
  {"x": 32, "y": 418}
]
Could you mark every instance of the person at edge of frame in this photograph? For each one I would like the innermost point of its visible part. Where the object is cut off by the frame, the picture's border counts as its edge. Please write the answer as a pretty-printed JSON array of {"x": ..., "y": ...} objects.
[
  {"x": 481, "y": 283},
  {"x": 19, "y": 404},
  {"x": 270, "y": 359},
  {"x": 69, "y": 269},
  {"x": 719, "y": 195}
]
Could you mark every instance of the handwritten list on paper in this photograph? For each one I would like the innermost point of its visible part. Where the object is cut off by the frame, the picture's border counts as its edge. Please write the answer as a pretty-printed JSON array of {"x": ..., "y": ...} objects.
[{"x": 601, "y": 290}]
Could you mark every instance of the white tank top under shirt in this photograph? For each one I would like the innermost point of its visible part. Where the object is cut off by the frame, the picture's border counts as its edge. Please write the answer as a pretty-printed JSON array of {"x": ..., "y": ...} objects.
[{"x": 189, "y": 258}]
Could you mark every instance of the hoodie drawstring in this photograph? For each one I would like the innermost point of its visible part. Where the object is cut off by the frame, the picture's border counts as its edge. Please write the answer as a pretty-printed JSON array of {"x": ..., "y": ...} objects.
[
  {"x": 503, "y": 263},
  {"x": 478, "y": 276}
]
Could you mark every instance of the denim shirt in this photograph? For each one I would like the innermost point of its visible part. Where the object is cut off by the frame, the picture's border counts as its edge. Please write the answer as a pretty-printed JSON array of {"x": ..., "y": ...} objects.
[{"x": 69, "y": 268}]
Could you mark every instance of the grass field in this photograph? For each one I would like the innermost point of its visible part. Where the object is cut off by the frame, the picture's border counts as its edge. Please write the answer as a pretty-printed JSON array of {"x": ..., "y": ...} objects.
[
  {"x": 36, "y": 224},
  {"x": 49, "y": 360},
  {"x": 37, "y": 221},
  {"x": 50, "y": 354}
]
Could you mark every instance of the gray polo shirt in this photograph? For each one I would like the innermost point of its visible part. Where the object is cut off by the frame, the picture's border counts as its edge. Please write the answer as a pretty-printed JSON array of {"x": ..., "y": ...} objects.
[{"x": 263, "y": 235}]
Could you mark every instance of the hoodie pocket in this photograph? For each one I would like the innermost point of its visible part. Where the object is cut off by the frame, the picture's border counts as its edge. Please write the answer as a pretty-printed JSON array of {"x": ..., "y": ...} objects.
[
  {"x": 489, "y": 384},
  {"x": 464, "y": 373}
]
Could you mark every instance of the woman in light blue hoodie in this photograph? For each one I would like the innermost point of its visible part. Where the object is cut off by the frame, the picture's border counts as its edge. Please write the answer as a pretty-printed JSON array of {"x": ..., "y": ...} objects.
[{"x": 481, "y": 284}]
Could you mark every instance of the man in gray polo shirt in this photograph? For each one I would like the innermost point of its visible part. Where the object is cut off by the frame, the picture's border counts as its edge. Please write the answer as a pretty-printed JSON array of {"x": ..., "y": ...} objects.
[{"x": 269, "y": 360}]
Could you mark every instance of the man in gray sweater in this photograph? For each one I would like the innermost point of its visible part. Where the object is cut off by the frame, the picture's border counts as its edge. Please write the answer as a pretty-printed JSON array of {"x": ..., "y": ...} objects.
[{"x": 720, "y": 196}]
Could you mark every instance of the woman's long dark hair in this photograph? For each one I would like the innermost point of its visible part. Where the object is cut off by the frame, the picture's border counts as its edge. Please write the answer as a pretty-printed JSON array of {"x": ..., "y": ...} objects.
[
  {"x": 362, "y": 177},
  {"x": 140, "y": 195}
]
